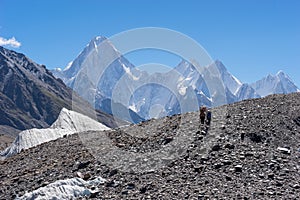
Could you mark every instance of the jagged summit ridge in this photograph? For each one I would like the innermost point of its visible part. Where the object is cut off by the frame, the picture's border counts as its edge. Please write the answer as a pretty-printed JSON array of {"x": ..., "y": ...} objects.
[
  {"x": 280, "y": 83},
  {"x": 230, "y": 81},
  {"x": 30, "y": 95},
  {"x": 69, "y": 73},
  {"x": 207, "y": 85}
]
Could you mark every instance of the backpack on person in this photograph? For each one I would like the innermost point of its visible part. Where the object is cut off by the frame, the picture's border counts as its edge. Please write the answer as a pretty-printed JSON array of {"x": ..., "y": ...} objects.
[{"x": 202, "y": 114}]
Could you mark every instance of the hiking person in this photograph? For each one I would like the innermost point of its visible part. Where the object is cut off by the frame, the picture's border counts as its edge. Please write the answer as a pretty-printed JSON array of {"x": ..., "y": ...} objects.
[
  {"x": 202, "y": 114},
  {"x": 242, "y": 136},
  {"x": 208, "y": 117}
]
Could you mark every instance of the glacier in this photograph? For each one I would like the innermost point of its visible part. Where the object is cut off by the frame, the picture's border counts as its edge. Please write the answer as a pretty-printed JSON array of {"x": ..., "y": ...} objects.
[{"x": 67, "y": 123}]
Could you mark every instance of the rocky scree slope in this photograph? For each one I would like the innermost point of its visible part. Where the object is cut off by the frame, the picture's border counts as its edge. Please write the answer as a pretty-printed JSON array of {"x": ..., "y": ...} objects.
[{"x": 218, "y": 162}]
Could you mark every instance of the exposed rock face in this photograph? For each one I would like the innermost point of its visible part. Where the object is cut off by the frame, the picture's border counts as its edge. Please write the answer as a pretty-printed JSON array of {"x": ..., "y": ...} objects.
[
  {"x": 216, "y": 164},
  {"x": 30, "y": 95}
]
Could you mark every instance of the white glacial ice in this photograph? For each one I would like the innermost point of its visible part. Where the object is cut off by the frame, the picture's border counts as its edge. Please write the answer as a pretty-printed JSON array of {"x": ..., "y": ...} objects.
[
  {"x": 67, "y": 123},
  {"x": 64, "y": 189}
]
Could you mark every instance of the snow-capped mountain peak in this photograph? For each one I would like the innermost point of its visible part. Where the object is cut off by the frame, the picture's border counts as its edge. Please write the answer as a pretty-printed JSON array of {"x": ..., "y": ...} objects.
[
  {"x": 67, "y": 67},
  {"x": 283, "y": 76},
  {"x": 275, "y": 84},
  {"x": 220, "y": 66},
  {"x": 213, "y": 85},
  {"x": 231, "y": 82},
  {"x": 281, "y": 73},
  {"x": 246, "y": 92},
  {"x": 98, "y": 48},
  {"x": 99, "y": 38}
]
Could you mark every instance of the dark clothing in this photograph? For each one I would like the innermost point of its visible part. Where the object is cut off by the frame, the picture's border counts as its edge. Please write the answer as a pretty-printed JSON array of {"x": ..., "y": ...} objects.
[
  {"x": 208, "y": 117},
  {"x": 202, "y": 114},
  {"x": 202, "y": 119},
  {"x": 242, "y": 136}
]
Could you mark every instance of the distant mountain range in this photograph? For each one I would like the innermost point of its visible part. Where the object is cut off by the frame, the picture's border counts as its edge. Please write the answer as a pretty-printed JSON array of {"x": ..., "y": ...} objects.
[
  {"x": 31, "y": 97},
  {"x": 164, "y": 93},
  {"x": 275, "y": 84}
]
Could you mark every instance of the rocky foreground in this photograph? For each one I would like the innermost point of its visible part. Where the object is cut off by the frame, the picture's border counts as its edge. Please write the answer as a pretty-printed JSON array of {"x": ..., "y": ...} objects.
[{"x": 250, "y": 151}]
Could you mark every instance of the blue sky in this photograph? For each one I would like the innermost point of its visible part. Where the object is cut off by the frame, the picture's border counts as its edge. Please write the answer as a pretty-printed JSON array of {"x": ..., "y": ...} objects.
[{"x": 252, "y": 38}]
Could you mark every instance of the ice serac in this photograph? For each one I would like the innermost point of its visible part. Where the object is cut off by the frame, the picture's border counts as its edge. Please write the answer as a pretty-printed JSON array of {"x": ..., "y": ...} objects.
[
  {"x": 68, "y": 122},
  {"x": 275, "y": 84},
  {"x": 64, "y": 189}
]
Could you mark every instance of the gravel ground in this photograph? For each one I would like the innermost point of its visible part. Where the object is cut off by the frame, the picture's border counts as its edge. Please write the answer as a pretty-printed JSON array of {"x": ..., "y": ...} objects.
[{"x": 250, "y": 151}]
